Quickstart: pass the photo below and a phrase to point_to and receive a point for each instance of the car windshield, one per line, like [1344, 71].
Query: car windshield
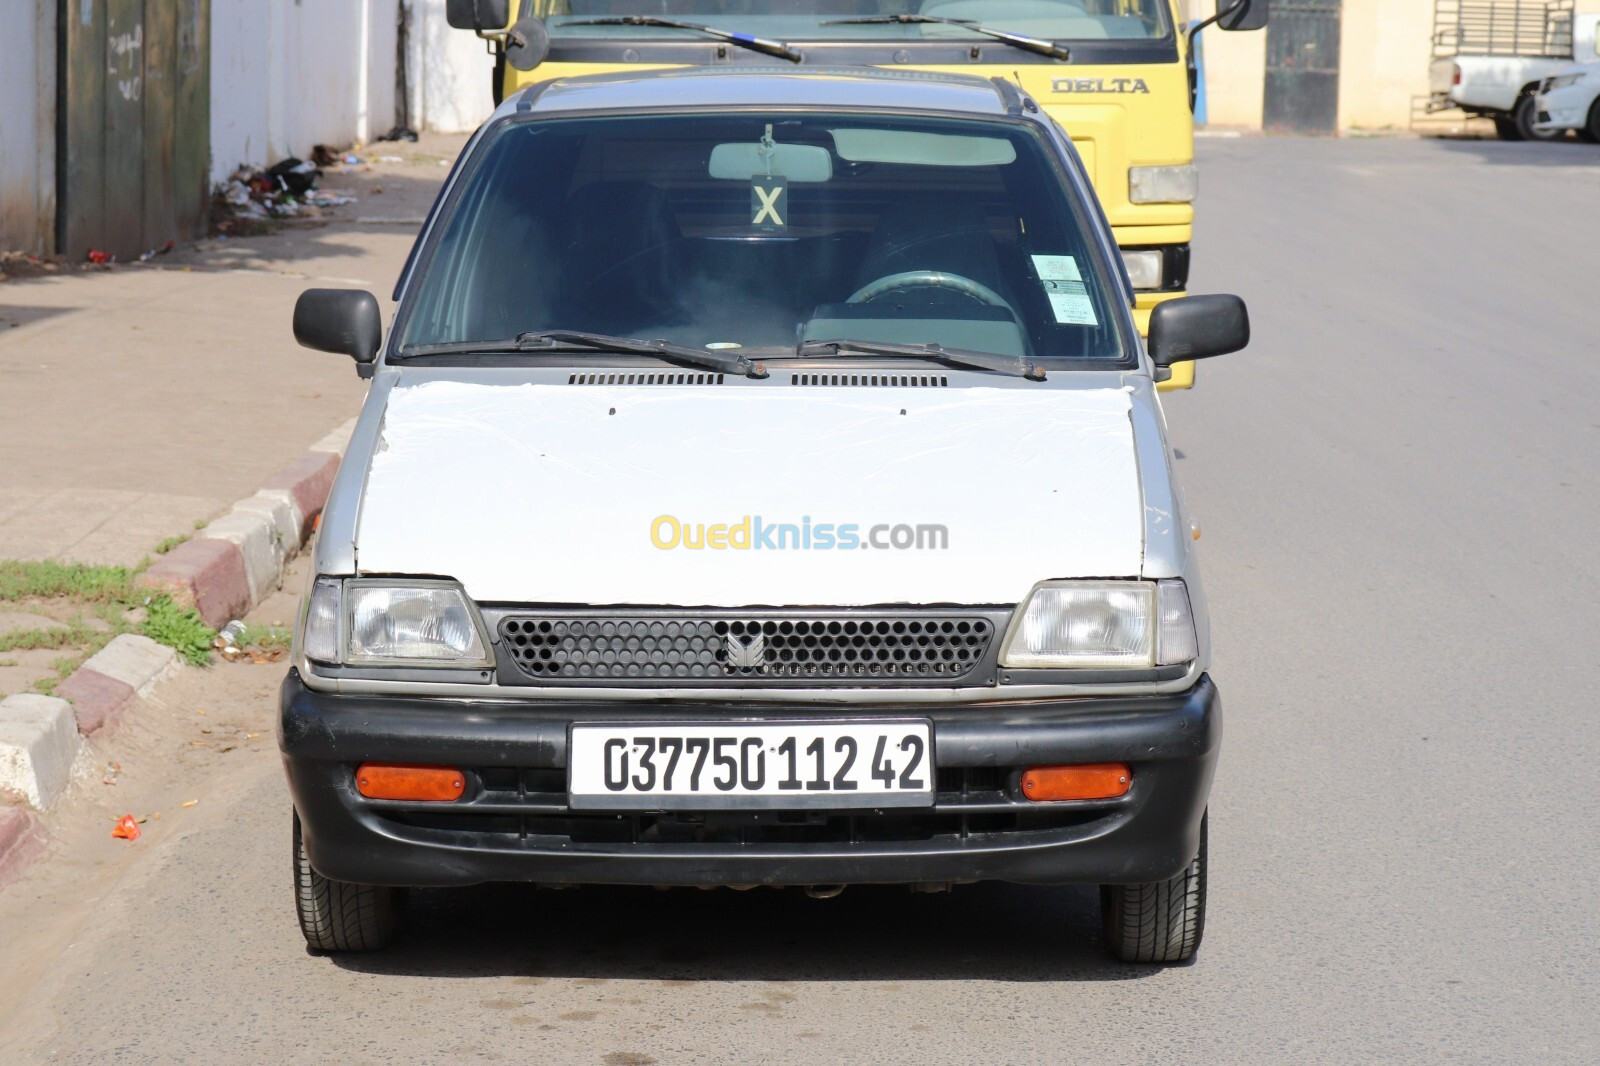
[821, 20]
[755, 233]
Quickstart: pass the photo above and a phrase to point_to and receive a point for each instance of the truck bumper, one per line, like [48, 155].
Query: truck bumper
[513, 823]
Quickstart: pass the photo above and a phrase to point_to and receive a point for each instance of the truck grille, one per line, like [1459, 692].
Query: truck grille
[815, 647]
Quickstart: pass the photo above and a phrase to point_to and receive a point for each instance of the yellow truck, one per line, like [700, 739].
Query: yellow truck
[1118, 75]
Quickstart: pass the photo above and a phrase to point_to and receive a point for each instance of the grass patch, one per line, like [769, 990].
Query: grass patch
[108, 593]
[7, 662]
[70, 635]
[71, 581]
[180, 628]
[171, 542]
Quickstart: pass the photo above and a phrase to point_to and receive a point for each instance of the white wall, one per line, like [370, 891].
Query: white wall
[27, 125]
[451, 72]
[289, 74]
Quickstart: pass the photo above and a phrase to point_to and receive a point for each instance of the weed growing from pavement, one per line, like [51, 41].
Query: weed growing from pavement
[171, 542]
[264, 638]
[180, 628]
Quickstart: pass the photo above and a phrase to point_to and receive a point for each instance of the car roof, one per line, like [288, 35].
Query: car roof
[821, 88]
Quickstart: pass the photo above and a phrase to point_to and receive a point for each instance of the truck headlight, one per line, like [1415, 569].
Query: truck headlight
[1144, 268]
[1085, 624]
[1163, 185]
[367, 622]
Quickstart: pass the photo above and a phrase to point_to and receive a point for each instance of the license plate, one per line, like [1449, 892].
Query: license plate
[741, 766]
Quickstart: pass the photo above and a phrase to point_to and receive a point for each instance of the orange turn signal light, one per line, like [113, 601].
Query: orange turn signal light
[392, 781]
[1094, 781]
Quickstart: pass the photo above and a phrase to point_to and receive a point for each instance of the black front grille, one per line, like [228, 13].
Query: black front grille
[820, 647]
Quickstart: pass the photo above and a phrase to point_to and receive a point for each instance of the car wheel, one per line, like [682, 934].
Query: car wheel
[1161, 921]
[1524, 114]
[337, 916]
[1591, 129]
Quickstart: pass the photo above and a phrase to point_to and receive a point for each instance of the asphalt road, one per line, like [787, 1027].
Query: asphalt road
[1396, 483]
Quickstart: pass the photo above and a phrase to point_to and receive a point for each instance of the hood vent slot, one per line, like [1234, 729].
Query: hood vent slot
[851, 381]
[652, 378]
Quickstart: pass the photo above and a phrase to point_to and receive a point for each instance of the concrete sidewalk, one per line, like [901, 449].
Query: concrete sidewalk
[140, 400]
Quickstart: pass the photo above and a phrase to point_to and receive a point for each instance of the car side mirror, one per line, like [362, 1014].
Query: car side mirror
[346, 321]
[477, 15]
[1248, 15]
[1197, 327]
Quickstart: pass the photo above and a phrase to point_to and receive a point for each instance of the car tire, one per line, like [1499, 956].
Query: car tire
[1160, 922]
[1524, 114]
[1591, 128]
[338, 916]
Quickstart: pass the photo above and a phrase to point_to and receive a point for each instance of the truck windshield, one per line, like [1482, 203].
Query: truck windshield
[831, 20]
[756, 233]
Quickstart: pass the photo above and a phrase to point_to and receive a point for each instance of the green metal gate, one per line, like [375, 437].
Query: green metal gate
[133, 124]
[1302, 89]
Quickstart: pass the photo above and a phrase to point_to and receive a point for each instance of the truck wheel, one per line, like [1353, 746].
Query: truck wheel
[1524, 114]
[1161, 921]
[336, 916]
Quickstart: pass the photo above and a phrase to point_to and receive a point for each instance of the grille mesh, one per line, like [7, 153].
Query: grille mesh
[902, 381]
[846, 647]
[646, 378]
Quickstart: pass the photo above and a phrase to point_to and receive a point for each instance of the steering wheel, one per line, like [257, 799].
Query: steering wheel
[938, 279]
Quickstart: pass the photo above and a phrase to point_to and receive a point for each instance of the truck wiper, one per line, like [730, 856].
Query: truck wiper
[1015, 40]
[567, 340]
[1015, 365]
[743, 40]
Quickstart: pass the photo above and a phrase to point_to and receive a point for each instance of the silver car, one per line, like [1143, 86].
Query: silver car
[762, 482]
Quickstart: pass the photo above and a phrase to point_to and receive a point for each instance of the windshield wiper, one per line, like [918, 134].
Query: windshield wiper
[567, 340]
[743, 40]
[1015, 40]
[1015, 365]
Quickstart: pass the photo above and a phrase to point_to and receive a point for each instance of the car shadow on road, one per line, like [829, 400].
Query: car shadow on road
[987, 932]
[1566, 152]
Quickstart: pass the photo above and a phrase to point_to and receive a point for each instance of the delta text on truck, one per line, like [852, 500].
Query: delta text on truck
[1118, 75]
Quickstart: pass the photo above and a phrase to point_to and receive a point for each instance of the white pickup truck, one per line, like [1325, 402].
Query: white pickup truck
[1490, 58]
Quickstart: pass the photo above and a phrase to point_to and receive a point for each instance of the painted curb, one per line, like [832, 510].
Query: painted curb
[39, 743]
[21, 839]
[128, 667]
[208, 575]
[238, 560]
[234, 564]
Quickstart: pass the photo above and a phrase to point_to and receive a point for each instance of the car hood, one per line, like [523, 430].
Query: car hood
[558, 493]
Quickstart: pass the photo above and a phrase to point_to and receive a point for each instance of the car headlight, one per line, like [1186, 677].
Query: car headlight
[368, 622]
[1560, 81]
[1085, 624]
[1163, 185]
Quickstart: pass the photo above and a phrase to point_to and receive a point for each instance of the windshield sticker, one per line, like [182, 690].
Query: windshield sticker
[1063, 284]
[769, 202]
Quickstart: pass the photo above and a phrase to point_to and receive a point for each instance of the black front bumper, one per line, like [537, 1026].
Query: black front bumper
[512, 823]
